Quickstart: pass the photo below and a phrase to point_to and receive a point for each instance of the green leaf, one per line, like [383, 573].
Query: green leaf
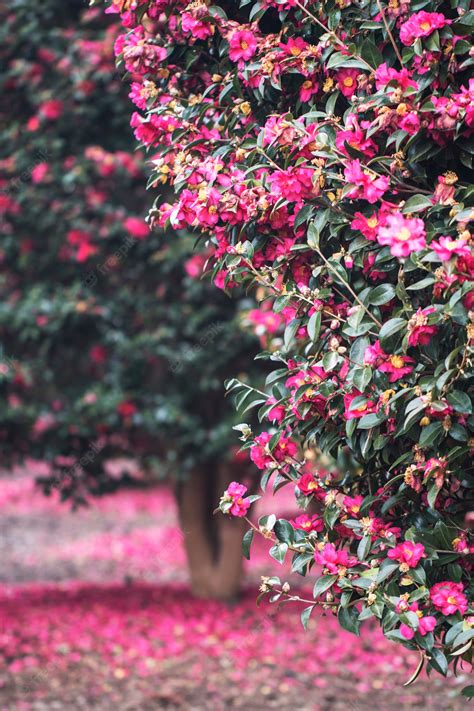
[330, 516]
[390, 328]
[247, 542]
[362, 377]
[433, 492]
[314, 325]
[305, 615]
[278, 552]
[468, 691]
[284, 531]
[386, 569]
[322, 584]
[461, 402]
[290, 333]
[417, 203]
[371, 53]
[422, 284]
[381, 294]
[430, 434]
[438, 661]
[300, 561]
[371, 420]
[363, 547]
[418, 575]
[348, 619]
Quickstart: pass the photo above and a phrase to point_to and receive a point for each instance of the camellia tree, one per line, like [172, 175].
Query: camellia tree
[323, 151]
[112, 347]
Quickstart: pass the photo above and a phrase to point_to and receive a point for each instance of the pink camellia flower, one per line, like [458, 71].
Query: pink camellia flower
[308, 88]
[277, 413]
[410, 123]
[374, 355]
[460, 544]
[419, 332]
[368, 225]
[352, 504]
[365, 408]
[421, 24]
[259, 453]
[425, 625]
[39, 172]
[308, 485]
[449, 598]
[445, 190]
[308, 523]
[446, 248]
[335, 561]
[51, 109]
[408, 554]
[126, 408]
[436, 469]
[367, 185]
[396, 366]
[136, 227]
[347, 81]
[194, 265]
[384, 75]
[242, 45]
[403, 235]
[235, 493]
[196, 27]
[294, 47]
[293, 184]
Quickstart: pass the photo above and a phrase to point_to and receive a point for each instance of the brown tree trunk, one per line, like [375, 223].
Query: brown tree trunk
[213, 542]
[193, 514]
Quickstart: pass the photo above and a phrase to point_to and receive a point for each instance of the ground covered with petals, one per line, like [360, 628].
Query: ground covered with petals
[95, 614]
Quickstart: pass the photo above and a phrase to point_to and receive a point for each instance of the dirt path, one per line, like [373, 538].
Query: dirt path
[95, 614]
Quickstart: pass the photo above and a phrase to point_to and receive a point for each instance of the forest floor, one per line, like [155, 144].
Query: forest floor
[95, 614]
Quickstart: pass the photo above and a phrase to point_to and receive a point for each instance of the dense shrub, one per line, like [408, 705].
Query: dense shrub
[112, 346]
[324, 150]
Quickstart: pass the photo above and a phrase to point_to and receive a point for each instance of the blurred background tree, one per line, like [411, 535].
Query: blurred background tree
[112, 354]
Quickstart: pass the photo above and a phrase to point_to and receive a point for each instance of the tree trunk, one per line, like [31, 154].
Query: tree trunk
[213, 542]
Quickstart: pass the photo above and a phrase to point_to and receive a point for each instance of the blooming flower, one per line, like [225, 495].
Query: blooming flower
[385, 75]
[293, 184]
[403, 235]
[347, 81]
[136, 227]
[242, 45]
[449, 598]
[364, 407]
[277, 413]
[352, 504]
[446, 248]
[421, 24]
[367, 185]
[308, 88]
[235, 493]
[396, 366]
[335, 561]
[407, 553]
[260, 451]
[308, 523]
[419, 332]
[126, 408]
[425, 625]
[308, 485]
